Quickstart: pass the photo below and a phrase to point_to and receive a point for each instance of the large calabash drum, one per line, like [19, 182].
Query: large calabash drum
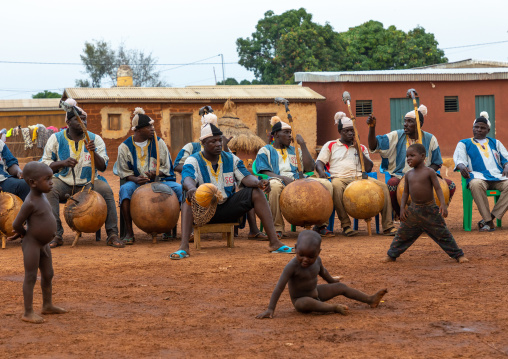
[155, 208]
[306, 202]
[442, 184]
[10, 204]
[86, 211]
[363, 199]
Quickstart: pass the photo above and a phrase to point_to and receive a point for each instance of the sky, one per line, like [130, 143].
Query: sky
[180, 32]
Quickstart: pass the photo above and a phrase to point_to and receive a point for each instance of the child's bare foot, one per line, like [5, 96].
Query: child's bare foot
[342, 309]
[462, 259]
[376, 298]
[53, 310]
[32, 318]
[388, 259]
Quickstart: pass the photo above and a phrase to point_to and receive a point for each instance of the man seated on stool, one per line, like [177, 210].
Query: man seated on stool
[224, 170]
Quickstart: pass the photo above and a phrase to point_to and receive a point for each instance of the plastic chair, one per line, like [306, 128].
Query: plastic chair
[308, 174]
[355, 223]
[467, 205]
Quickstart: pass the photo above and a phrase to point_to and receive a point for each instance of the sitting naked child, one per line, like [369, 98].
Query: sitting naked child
[301, 275]
[422, 215]
[41, 227]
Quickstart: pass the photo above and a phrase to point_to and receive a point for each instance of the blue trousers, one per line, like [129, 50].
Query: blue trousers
[128, 188]
[16, 186]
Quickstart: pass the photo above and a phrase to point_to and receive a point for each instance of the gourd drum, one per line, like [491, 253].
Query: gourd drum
[10, 204]
[442, 184]
[206, 193]
[155, 208]
[306, 202]
[363, 199]
[86, 211]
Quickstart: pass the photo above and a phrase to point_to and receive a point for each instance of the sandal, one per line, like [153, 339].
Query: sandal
[323, 231]
[129, 241]
[484, 227]
[56, 242]
[349, 232]
[390, 231]
[114, 241]
[260, 236]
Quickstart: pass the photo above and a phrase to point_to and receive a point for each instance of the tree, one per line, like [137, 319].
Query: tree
[286, 43]
[229, 81]
[47, 94]
[101, 62]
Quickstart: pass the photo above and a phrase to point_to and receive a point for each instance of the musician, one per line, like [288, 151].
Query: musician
[11, 176]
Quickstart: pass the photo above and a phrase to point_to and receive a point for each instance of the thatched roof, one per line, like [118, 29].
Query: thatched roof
[244, 140]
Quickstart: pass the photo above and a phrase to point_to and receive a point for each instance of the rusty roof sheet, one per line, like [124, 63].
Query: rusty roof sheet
[36, 104]
[411, 75]
[195, 93]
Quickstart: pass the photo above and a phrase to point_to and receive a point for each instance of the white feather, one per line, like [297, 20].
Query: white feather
[274, 120]
[338, 116]
[484, 114]
[209, 118]
[423, 110]
[139, 111]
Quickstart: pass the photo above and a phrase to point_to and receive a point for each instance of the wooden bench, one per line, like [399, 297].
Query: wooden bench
[227, 230]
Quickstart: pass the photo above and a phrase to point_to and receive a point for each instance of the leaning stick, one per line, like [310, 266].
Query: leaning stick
[346, 97]
[280, 100]
[411, 93]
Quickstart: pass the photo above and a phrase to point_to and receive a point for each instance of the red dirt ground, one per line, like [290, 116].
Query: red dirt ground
[135, 302]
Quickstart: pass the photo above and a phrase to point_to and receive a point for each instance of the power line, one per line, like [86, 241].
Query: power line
[485, 43]
[80, 64]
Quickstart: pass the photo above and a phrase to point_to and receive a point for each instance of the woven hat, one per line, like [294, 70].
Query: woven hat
[342, 121]
[484, 118]
[140, 120]
[73, 103]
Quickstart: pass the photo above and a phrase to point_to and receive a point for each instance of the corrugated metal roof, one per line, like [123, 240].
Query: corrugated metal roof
[36, 104]
[195, 93]
[464, 74]
[470, 63]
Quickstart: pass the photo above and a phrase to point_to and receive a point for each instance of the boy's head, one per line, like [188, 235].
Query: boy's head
[415, 154]
[308, 247]
[38, 176]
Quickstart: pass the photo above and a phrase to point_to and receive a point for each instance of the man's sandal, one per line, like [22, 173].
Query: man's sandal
[323, 231]
[129, 241]
[114, 241]
[260, 236]
[349, 232]
[56, 242]
[484, 227]
[390, 232]
[180, 254]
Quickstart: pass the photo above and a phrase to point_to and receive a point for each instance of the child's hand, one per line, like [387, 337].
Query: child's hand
[443, 210]
[337, 278]
[266, 314]
[14, 237]
[403, 215]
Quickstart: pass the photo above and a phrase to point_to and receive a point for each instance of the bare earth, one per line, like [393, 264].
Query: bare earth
[135, 302]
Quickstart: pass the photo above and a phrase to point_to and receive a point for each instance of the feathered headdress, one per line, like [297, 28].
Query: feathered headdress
[140, 120]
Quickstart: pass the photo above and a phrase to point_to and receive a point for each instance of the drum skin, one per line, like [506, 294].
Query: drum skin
[89, 214]
[442, 184]
[363, 199]
[10, 204]
[306, 202]
[154, 212]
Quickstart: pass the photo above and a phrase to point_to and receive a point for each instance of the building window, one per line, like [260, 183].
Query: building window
[264, 128]
[451, 104]
[114, 123]
[363, 107]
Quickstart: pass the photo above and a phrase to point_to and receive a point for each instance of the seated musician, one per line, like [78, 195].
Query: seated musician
[11, 176]
[137, 162]
[278, 160]
[225, 171]
[344, 166]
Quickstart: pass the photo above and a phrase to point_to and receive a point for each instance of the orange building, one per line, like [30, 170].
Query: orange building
[454, 94]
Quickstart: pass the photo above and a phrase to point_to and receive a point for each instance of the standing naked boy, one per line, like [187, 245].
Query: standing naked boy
[41, 228]
[301, 275]
[422, 215]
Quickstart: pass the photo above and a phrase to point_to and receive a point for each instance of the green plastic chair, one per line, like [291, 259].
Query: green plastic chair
[263, 176]
[467, 205]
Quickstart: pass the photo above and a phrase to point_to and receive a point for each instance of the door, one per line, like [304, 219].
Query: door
[487, 103]
[398, 109]
[263, 126]
[181, 132]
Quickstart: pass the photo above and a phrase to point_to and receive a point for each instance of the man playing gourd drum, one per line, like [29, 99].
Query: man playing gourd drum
[225, 171]
[137, 162]
[69, 158]
[392, 148]
[278, 160]
[340, 158]
[11, 176]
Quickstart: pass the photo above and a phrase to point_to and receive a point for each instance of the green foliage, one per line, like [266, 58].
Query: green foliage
[47, 94]
[229, 81]
[102, 62]
[291, 42]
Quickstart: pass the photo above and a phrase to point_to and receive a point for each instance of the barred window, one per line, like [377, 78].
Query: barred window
[114, 123]
[363, 107]
[451, 104]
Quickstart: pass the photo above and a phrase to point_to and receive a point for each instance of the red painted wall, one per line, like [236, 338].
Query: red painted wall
[448, 127]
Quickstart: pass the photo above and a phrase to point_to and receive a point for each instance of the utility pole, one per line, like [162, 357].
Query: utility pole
[223, 76]
[214, 75]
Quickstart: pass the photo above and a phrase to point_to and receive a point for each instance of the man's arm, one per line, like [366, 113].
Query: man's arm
[308, 162]
[460, 158]
[100, 162]
[252, 182]
[320, 169]
[287, 273]
[371, 122]
[15, 171]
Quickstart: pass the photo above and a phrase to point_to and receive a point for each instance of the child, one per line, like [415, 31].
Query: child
[301, 275]
[423, 215]
[41, 228]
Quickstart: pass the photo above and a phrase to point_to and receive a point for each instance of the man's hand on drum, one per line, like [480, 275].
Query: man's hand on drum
[287, 180]
[264, 185]
[141, 180]
[464, 171]
[150, 175]
[190, 194]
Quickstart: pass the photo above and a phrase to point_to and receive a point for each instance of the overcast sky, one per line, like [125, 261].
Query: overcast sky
[179, 32]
